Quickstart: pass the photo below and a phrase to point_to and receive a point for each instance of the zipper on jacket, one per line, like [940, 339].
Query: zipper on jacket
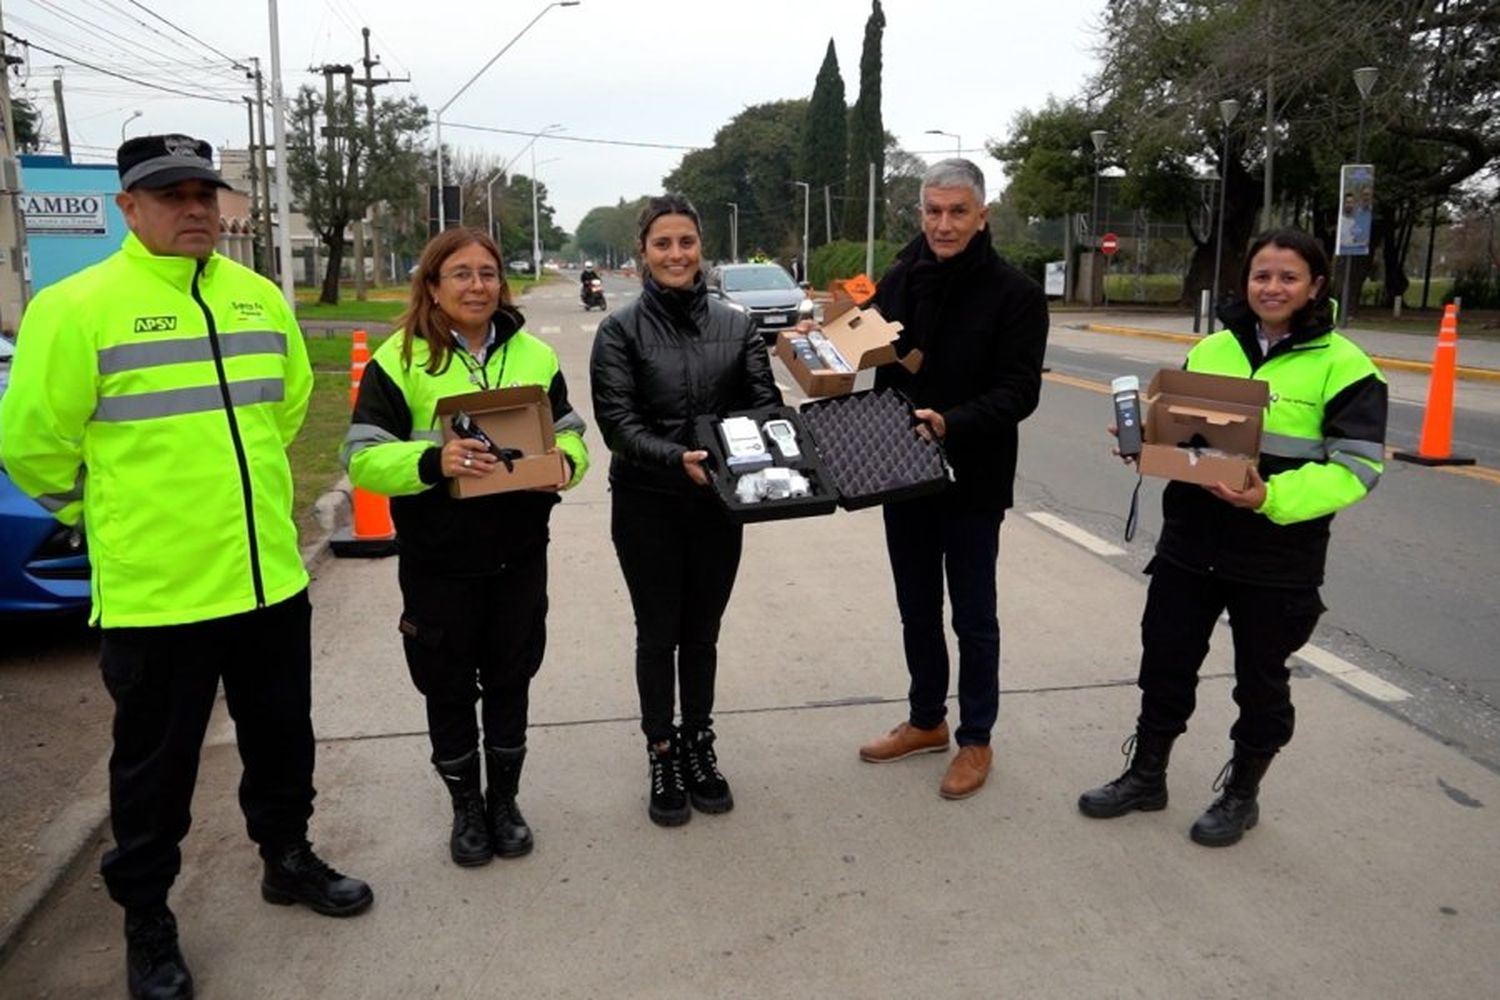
[234, 436]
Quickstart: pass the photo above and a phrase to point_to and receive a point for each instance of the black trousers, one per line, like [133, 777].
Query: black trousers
[927, 539]
[1268, 624]
[475, 639]
[163, 680]
[680, 555]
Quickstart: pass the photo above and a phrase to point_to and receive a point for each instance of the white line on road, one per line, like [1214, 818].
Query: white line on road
[552, 329]
[1356, 677]
[588, 327]
[1075, 534]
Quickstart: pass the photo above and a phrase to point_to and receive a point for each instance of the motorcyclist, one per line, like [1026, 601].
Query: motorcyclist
[591, 287]
[589, 274]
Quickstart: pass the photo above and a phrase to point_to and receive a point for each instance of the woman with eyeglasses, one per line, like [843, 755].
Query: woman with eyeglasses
[672, 355]
[473, 571]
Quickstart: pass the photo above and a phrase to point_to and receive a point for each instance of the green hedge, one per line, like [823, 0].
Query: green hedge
[845, 259]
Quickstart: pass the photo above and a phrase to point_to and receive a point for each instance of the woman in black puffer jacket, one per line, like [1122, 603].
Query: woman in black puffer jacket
[673, 355]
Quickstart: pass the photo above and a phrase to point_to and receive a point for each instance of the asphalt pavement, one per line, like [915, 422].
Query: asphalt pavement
[1371, 874]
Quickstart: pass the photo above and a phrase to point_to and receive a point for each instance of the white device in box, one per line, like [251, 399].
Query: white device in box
[744, 448]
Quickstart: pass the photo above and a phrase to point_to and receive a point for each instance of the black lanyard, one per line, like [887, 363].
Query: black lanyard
[479, 373]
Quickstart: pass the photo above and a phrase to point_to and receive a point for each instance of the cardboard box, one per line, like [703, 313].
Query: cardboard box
[518, 417]
[1223, 412]
[863, 337]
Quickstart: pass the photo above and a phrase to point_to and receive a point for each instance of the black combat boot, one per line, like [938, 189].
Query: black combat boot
[1236, 810]
[294, 874]
[1143, 786]
[669, 802]
[706, 787]
[509, 833]
[469, 845]
[154, 967]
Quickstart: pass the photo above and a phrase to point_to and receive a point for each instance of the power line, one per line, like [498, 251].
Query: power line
[181, 30]
[140, 66]
[560, 137]
[120, 76]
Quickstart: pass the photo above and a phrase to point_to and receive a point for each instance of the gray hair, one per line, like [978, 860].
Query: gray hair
[952, 173]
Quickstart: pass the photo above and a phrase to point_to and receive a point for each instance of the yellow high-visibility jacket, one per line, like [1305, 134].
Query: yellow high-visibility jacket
[153, 399]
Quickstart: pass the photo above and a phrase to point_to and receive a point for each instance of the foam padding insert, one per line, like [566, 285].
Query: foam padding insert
[868, 444]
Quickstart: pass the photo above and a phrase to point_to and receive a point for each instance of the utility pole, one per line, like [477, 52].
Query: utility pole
[351, 132]
[283, 188]
[370, 83]
[62, 116]
[264, 174]
[13, 291]
[257, 207]
[333, 131]
[828, 213]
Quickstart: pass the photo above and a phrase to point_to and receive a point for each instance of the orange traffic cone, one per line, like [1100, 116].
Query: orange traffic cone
[373, 535]
[1436, 445]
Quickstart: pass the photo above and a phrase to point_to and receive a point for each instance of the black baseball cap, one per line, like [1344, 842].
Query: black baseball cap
[158, 161]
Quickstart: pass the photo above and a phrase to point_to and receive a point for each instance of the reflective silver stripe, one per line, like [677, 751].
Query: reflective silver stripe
[54, 502]
[570, 421]
[1363, 472]
[194, 399]
[363, 436]
[183, 350]
[1372, 450]
[1286, 446]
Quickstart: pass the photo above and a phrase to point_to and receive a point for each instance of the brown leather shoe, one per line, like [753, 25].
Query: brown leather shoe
[967, 771]
[903, 741]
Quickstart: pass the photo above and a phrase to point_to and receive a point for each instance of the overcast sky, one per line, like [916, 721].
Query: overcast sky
[668, 72]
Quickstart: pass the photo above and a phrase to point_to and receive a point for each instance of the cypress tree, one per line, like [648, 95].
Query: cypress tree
[866, 135]
[825, 133]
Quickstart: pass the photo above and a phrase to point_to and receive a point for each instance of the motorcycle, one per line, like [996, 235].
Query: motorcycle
[593, 295]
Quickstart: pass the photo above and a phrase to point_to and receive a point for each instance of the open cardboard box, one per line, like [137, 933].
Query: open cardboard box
[863, 337]
[1223, 411]
[517, 417]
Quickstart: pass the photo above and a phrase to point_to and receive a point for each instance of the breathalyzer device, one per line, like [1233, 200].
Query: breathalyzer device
[1127, 394]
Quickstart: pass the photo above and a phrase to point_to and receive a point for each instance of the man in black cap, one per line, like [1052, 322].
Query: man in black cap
[152, 397]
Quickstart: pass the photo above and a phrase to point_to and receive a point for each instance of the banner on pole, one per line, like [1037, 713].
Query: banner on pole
[1356, 206]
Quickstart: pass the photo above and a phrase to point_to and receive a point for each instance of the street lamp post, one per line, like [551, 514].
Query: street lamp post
[734, 231]
[957, 142]
[133, 116]
[1228, 109]
[806, 205]
[438, 118]
[1098, 137]
[489, 192]
[1364, 79]
[536, 232]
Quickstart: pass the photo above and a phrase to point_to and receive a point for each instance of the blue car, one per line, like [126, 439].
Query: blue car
[44, 564]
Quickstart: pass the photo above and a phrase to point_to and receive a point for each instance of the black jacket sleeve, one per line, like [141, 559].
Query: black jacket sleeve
[617, 406]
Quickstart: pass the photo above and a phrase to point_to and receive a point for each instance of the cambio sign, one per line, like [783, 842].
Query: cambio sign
[72, 213]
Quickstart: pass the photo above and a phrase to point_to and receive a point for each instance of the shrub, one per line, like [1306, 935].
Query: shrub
[845, 259]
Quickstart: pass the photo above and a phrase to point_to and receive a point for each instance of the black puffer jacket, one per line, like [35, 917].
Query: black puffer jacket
[660, 363]
[981, 326]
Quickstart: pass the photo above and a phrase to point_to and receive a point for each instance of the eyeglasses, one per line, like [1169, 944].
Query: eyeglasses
[464, 275]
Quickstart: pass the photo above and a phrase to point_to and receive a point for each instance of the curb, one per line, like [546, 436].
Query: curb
[1469, 372]
[81, 822]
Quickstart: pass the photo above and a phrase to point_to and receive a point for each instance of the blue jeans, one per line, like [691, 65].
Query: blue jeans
[927, 539]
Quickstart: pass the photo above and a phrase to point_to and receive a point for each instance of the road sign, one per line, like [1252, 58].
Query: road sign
[1109, 244]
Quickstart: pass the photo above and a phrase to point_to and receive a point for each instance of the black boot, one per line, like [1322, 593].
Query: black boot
[508, 830]
[294, 874]
[469, 844]
[669, 802]
[707, 789]
[154, 967]
[1143, 786]
[1236, 810]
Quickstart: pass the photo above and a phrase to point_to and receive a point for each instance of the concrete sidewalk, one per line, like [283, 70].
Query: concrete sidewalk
[1372, 873]
[1478, 359]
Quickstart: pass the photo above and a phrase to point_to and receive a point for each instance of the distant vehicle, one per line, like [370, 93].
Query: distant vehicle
[520, 266]
[593, 295]
[765, 291]
[44, 564]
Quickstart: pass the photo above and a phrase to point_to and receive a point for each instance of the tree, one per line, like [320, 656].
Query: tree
[324, 165]
[903, 192]
[28, 122]
[751, 163]
[825, 133]
[607, 233]
[866, 134]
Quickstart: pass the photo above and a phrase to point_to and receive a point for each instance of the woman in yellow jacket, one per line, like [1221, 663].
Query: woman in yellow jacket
[473, 572]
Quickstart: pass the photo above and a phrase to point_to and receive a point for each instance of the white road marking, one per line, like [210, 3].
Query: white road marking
[1356, 677]
[1075, 534]
[588, 327]
[552, 329]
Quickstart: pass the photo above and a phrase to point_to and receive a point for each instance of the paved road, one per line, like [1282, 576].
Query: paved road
[1371, 874]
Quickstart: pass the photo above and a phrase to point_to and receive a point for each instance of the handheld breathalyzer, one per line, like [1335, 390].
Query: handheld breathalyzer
[1127, 396]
